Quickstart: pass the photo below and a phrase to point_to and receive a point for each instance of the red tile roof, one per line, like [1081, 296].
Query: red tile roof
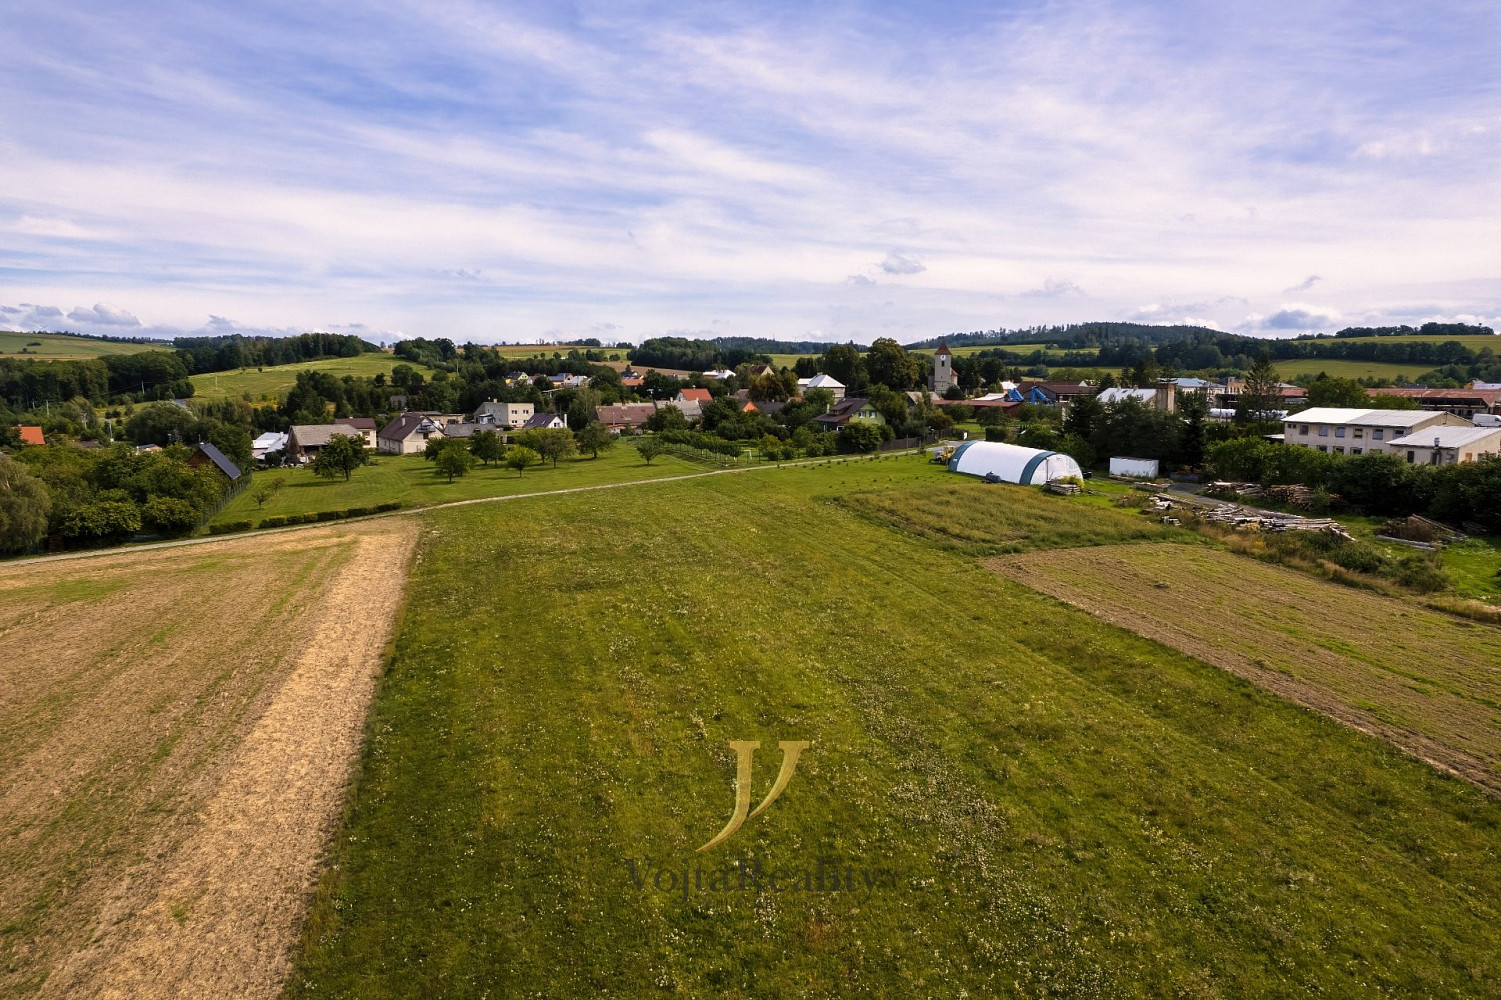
[701, 395]
[32, 435]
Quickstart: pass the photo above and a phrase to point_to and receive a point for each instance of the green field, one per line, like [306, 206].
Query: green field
[59, 348]
[272, 383]
[411, 480]
[1473, 341]
[1026, 800]
[1289, 369]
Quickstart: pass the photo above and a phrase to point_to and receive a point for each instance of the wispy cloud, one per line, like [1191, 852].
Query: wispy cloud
[465, 168]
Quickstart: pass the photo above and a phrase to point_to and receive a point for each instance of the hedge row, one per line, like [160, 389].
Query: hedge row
[322, 515]
[224, 529]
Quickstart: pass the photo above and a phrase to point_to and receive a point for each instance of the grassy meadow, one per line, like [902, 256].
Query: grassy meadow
[414, 482]
[1009, 796]
[272, 383]
[55, 347]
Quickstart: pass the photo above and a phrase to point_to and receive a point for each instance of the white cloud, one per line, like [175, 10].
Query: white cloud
[1053, 288]
[103, 314]
[899, 263]
[1305, 284]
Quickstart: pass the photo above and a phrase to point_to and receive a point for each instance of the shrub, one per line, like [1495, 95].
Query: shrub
[273, 522]
[224, 529]
[327, 515]
[993, 433]
[357, 512]
[1419, 573]
[389, 505]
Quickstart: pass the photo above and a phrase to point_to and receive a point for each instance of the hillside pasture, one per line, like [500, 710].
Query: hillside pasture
[272, 383]
[1019, 798]
[414, 482]
[176, 728]
[56, 347]
[1422, 680]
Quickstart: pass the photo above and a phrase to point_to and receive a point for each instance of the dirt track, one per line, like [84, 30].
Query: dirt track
[176, 730]
[1418, 679]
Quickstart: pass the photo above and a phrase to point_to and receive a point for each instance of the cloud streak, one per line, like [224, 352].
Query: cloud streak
[474, 170]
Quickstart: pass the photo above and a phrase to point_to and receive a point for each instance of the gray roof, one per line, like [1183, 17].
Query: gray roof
[216, 456]
[318, 435]
[539, 421]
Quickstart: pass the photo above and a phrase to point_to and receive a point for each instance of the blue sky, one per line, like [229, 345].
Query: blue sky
[840, 171]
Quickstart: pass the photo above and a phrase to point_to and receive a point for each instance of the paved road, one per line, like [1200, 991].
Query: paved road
[204, 539]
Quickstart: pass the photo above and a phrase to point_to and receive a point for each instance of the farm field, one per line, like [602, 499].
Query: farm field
[414, 482]
[59, 348]
[1473, 341]
[1290, 369]
[1418, 678]
[176, 728]
[274, 382]
[1026, 800]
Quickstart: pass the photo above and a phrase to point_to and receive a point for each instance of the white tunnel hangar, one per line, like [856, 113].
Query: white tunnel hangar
[1013, 463]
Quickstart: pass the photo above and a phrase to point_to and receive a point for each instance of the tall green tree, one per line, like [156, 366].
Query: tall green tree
[487, 447]
[520, 457]
[454, 462]
[889, 364]
[650, 448]
[1262, 393]
[552, 443]
[24, 505]
[844, 363]
[341, 456]
[594, 437]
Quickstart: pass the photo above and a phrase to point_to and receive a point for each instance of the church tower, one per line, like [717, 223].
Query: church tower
[943, 369]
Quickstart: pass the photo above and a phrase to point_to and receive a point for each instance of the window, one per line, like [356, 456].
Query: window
[1323, 447]
[1340, 449]
[1377, 433]
[1356, 451]
[1412, 457]
[1303, 430]
[1359, 432]
[1323, 432]
[1469, 456]
[1339, 432]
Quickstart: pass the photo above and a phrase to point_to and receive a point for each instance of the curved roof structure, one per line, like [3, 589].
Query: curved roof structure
[1012, 463]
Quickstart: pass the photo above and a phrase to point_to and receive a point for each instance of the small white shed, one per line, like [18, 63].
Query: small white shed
[1012, 463]
[1136, 468]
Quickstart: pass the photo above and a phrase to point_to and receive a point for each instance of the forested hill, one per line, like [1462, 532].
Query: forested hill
[1073, 335]
[721, 352]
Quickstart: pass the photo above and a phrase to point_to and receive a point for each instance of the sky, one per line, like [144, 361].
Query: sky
[832, 171]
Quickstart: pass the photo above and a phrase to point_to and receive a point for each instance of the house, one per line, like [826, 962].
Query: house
[306, 440]
[543, 422]
[1347, 431]
[576, 382]
[366, 426]
[719, 373]
[268, 443]
[943, 369]
[768, 407]
[507, 415]
[757, 371]
[624, 416]
[842, 412]
[699, 396]
[1163, 397]
[148, 449]
[1445, 445]
[408, 434]
[1050, 393]
[691, 409]
[31, 434]
[465, 429]
[1460, 402]
[207, 454]
[1229, 388]
[828, 382]
[632, 381]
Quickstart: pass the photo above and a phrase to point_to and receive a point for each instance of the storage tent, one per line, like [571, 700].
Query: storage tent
[1012, 463]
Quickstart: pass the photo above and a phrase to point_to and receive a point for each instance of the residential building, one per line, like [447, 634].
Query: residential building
[506, 415]
[1445, 445]
[828, 382]
[408, 434]
[719, 373]
[306, 440]
[699, 396]
[1348, 431]
[207, 454]
[266, 444]
[624, 416]
[1229, 388]
[31, 435]
[943, 369]
[1460, 402]
[842, 412]
[544, 422]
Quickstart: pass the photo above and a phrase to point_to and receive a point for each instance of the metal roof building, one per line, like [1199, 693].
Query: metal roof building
[1012, 463]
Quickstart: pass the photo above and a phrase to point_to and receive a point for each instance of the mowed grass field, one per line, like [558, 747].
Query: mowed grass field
[1026, 800]
[414, 482]
[274, 382]
[176, 726]
[1420, 678]
[59, 348]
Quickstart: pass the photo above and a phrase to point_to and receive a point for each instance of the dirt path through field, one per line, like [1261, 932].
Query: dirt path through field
[218, 916]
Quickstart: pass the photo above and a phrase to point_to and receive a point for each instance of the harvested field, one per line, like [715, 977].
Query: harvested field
[1426, 682]
[176, 731]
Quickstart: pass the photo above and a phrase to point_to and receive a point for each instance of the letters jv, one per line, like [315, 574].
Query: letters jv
[791, 750]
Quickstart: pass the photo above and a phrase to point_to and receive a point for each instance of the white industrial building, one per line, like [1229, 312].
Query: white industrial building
[1012, 463]
[1349, 431]
[1448, 445]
